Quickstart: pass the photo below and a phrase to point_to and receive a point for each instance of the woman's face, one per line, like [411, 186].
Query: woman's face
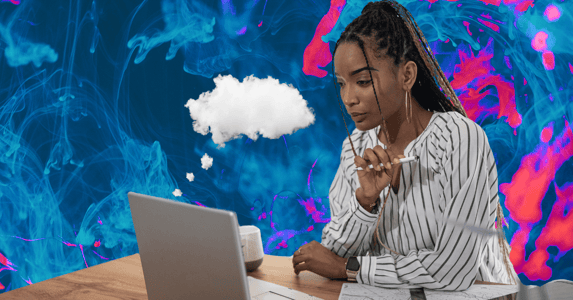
[352, 75]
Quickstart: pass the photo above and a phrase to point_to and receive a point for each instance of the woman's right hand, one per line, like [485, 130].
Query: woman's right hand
[373, 181]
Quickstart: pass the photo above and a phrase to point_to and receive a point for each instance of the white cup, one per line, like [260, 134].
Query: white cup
[252, 247]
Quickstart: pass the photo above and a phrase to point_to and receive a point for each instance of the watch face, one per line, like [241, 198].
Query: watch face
[353, 264]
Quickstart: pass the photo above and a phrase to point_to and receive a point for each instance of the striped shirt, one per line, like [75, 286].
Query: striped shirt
[445, 202]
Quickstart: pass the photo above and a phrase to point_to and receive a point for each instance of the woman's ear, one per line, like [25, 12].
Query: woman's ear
[410, 74]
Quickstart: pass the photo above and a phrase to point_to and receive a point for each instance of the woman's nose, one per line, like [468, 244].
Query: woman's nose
[349, 98]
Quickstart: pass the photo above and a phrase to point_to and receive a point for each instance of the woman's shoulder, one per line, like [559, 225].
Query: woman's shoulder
[454, 127]
[453, 132]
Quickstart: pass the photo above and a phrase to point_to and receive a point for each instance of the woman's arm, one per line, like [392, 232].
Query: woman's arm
[467, 202]
[351, 226]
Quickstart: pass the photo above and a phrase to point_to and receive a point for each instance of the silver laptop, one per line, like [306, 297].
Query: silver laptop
[194, 252]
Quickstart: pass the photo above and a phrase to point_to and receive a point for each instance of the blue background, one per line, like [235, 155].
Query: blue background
[92, 98]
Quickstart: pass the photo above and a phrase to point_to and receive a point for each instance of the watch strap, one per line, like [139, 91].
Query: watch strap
[352, 274]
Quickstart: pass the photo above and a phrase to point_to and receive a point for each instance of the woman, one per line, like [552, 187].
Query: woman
[438, 211]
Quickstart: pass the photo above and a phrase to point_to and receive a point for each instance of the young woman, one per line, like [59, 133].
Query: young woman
[435, 227]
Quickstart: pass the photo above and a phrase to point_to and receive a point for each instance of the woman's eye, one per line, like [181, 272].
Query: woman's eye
[364, 82]
[340, 83]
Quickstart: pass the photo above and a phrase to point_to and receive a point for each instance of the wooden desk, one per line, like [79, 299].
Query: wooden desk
[123, 279]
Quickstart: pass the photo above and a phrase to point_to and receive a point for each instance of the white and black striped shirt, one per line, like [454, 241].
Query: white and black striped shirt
[445, 200]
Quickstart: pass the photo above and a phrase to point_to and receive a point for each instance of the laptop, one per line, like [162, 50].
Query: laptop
[193, 252]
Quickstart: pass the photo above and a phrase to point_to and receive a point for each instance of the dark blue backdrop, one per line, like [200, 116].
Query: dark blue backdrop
[92, 106]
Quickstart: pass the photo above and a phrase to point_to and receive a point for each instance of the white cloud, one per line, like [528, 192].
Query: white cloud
[177, 193]
[206, 162]
[190, 177]
[252, 107]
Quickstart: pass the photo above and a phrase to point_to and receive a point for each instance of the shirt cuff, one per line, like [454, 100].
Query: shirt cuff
[385, 266]
[366, 265]
[363, 214]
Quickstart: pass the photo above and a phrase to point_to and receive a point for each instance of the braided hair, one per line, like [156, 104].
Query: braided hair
[393, 29]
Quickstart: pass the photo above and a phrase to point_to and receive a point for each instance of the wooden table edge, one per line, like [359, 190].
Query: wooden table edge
[273, 269]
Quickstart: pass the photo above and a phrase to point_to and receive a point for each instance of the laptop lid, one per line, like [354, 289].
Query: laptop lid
[188, 251]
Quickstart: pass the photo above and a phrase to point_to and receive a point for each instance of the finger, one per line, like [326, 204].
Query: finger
[301, 267]
[297, 260]
[383, 156]
[300, 250]
[393, 157]
[372, 158]
[396, 159]
[361, 163]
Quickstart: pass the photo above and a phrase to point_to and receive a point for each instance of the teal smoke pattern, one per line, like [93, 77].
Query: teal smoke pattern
[92, 106]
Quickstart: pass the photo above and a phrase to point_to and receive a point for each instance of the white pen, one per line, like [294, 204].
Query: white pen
[402, 160]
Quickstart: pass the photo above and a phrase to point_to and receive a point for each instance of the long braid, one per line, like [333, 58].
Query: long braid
[428, 57]
[432, 90]
[342, 112]
[376, 233]
[357, 39]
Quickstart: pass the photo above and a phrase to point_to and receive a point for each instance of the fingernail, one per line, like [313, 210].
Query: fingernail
[389, 166]
[378, 168]
[396, 161]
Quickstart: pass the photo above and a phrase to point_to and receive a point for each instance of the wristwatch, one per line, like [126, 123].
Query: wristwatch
[352, 268]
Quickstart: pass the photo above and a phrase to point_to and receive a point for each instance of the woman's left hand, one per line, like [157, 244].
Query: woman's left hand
[316, 258]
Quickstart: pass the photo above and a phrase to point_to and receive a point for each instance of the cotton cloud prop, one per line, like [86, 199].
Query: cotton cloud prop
[252, 107]
[206, 161]
[177, 193]
[190, 177]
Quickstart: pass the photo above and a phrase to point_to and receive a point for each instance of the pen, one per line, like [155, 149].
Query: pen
[402, 160]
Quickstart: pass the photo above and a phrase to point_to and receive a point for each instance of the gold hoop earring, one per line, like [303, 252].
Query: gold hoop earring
[408, 109]
[410, 104]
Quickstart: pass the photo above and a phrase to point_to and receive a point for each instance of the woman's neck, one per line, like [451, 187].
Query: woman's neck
[400, 132]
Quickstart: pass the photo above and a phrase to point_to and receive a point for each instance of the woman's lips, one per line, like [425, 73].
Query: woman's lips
[359, 118]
